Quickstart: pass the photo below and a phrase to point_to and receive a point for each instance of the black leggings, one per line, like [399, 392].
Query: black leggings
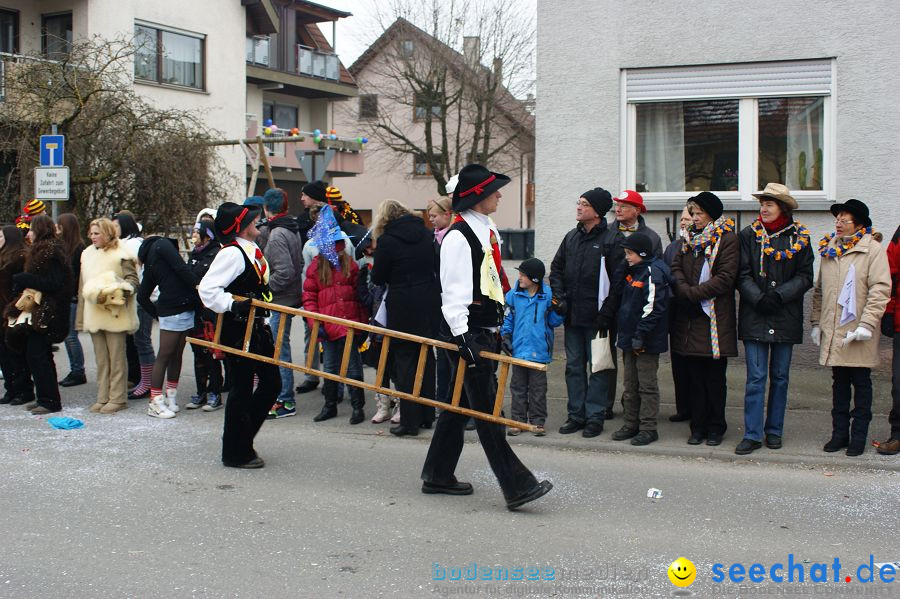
[207, 371]
[168, 359]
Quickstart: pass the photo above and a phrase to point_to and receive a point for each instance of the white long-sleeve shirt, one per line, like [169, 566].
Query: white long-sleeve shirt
[456, 269]
[225, 268]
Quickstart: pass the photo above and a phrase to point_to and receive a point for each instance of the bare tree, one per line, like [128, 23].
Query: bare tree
[122, 152]
[447, 73]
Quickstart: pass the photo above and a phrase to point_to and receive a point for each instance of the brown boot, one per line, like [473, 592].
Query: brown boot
[112, 408]
[889, 447]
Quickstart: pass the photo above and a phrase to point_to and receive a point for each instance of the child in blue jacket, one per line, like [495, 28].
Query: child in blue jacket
[640, 308]
[528, 334]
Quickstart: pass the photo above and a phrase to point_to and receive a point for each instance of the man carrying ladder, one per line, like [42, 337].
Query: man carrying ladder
[472, 305]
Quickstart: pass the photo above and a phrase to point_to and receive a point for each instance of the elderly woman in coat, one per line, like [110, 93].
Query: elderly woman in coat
[776, 272]
[703, 329]
[850, 296]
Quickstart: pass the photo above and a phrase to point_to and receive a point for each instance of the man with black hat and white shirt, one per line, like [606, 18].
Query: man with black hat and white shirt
[241, 269]
[472, 305]
[576, 283]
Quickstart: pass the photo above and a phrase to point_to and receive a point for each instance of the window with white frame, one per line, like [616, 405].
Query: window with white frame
[168, 56]
[730, 129]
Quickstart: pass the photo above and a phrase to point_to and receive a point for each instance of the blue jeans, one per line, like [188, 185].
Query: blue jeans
[307, 333]
[774, 360]
[287, 374]
[73, 345]
[587, 394]
[334, 351]
[142, 341]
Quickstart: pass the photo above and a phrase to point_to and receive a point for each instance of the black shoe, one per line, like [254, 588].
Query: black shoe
[856, 448]
[696, 438]
[256, 462]
[773, 441]
[570, 426]
[307, 386]
[624, 433]
[679, 417]
[20, 400]
[357, 416]
[539, 490]
[592, 429]
[72, 379]
[645, 438]
[747, 446]
[132, 395]
[835, 444]
[714, 439]
[452, 488]
[6, 399]
[328, 411]
[470, 424]
[425, 425]
[608, 414]
[403, 431]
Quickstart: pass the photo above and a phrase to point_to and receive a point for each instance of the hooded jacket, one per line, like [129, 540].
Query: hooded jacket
[337, 299]
[575, 272]
[163, 267]
[530, 321]
[284, 253]
[404, 261]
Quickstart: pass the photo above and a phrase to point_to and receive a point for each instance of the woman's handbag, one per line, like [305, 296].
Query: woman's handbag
[601, 353]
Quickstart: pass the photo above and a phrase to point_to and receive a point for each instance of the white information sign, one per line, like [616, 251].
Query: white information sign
[51, 183]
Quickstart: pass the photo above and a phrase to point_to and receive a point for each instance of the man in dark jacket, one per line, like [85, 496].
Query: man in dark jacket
[575, 281]
[283, 252]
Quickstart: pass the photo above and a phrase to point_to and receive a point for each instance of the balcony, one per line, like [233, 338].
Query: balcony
[308, 72]
[317, 64]
[347, 159]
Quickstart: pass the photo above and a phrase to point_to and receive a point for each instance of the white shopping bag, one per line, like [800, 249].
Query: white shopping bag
[601, 354]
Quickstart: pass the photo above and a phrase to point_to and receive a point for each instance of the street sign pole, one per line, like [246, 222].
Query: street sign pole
[54, 206]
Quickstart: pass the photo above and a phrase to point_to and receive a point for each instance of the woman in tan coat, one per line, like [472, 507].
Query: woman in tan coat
[107, 310]
[850, 295]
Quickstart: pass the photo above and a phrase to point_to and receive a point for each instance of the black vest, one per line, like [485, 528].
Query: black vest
[247, 284]
[483, 311]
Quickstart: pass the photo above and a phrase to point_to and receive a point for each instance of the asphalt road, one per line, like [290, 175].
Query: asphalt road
[130, 506]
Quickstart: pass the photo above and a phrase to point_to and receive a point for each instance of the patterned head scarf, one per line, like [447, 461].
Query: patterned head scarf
[325, 233]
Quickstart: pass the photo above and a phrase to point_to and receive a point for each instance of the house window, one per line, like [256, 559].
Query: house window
[168, 57]
[56, 34]
[282, 115]
[422, 105]
[420, 165]
[730, 129]
[407, 47]
[368, 106]
[9, 31]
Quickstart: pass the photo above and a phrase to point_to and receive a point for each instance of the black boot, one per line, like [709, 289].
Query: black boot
[329, 410]
[357, 401]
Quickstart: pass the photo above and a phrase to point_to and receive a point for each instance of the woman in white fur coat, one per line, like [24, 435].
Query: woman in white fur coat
[108, 311]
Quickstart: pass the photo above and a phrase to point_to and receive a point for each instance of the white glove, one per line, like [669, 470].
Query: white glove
[816, 335]
[858, 334]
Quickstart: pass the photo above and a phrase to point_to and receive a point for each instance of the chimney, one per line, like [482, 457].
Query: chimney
[472, 49]
[498, 70]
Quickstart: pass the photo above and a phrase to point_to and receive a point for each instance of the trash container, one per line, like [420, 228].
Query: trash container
[518, 244]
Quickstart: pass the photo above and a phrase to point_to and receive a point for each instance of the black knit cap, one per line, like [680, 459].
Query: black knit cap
[709, 203]
[639, 243]
[533, 269]
[316, 190]
[599, 199]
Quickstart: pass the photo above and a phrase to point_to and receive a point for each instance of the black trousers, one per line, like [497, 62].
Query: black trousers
[404, 359]
[16, 377]
[708, 394]
[843, 377]
[894, 417]
[39, 356]
[447, 442]
[246, 409]
[681, 377]
[207, 371]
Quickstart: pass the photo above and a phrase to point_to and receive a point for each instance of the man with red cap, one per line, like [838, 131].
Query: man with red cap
[472, 304]
[241, 269]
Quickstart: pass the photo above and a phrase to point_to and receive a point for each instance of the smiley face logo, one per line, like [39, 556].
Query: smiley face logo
[682, 572]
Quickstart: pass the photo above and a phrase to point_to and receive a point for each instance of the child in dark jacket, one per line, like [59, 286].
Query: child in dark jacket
[641, 310]
[528, 334]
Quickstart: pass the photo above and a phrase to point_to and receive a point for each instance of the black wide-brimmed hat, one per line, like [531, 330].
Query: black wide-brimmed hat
[859, 211]
[231, 219]
[475, 184]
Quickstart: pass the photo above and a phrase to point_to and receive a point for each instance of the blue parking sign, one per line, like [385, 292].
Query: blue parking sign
[53, 149]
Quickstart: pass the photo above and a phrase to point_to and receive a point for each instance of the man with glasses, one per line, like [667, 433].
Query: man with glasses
[575, 281]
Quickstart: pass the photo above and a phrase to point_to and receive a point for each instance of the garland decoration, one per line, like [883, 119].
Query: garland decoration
[764, 239]
[842, 248]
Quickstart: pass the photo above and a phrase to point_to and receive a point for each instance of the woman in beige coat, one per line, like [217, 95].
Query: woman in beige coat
[107, 310]
[850, 295]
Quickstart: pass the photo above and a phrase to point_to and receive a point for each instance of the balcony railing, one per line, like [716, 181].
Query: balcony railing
[317, 64]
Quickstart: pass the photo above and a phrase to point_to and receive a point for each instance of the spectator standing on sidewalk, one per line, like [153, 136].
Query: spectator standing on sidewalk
[705, 327]
[890, 326]
[851, 293]
[776, 272]
[16, 380]
[69, 231]
[283, 251]
[575, 281]
[527, 334]
[681, 375]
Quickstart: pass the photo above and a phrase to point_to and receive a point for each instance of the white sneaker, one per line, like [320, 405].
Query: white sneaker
[395, 419]
[384, 409]
[157, 408]
[171, 401]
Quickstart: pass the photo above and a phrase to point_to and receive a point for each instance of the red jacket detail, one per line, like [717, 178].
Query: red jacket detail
[338, 299]
[893, 256]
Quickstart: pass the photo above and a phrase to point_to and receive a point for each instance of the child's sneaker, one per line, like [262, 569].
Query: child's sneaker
[512, 431]
[282, 410]
[172, 401]
[539, 431]
[213, 402]
[158, 409]
[196, 402]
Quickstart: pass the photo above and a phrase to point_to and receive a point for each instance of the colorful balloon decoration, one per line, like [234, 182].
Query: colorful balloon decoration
[267, 122]
[267, 131]
[295, 131]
